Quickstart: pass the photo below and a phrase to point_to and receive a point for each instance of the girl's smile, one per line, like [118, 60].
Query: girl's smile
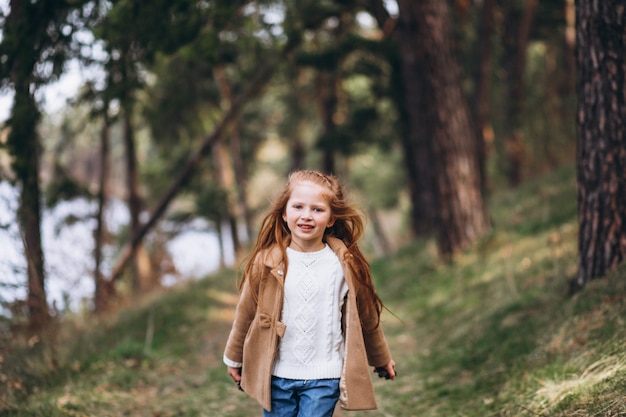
[307, 215]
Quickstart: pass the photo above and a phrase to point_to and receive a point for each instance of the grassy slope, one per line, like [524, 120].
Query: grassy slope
[495, 334]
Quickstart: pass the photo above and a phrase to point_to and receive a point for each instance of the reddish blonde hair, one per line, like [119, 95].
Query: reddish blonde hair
[348, 226]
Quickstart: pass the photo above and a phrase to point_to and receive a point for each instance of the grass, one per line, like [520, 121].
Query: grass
[493, 334]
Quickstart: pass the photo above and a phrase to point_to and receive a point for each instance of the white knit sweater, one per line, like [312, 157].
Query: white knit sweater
[313, 344]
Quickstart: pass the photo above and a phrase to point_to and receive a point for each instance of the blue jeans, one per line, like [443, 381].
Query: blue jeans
[303, 398]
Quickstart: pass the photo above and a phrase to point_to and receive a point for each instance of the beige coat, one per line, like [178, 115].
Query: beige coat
[257, 330]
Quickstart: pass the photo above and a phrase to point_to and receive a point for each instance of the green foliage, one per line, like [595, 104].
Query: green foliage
[212, 202]
[64, 188]
[376, 175]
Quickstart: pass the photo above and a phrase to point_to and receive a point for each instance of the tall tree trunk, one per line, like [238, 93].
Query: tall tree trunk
[326, 87]
[517, 27]
[601, 154]
[482, 81]
[570, 48]
[225, 178]
[553, 109]
[233, 175]
[297, 150]
[23, 145]
[241, 178]
[104, 289]
[415, 141]
[443, 122]
[132, 188]
[403, 61]
[381, 242]
[25, 149]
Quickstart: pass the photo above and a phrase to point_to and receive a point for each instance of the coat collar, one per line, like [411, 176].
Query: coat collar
[273, 257]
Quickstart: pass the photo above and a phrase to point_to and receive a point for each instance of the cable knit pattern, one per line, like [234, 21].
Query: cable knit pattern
[312, 347]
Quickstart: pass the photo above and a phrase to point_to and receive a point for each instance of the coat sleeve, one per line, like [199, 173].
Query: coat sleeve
[378, 353]
[376, 347]
[244, 315]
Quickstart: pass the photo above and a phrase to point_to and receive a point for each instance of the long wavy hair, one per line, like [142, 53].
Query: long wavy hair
[348, 226]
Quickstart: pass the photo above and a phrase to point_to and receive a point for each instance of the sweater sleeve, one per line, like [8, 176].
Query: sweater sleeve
[232, 364]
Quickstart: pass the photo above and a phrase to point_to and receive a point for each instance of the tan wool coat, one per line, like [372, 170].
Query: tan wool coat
[257, 330]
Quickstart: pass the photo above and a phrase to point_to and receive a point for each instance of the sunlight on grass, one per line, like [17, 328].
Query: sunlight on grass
[222, 306]
[553, 391]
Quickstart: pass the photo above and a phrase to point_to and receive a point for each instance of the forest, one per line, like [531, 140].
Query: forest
[191, 114]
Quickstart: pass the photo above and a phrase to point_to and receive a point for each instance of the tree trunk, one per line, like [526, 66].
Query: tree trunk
[517, 28]
[415, 141]
[297, 149]
[225, 178]
[104, 289]
[482, 81]
[297, 153]
[382, 246]
[25, 148]
[545, 153]
[224, 164]
[219, 228]
[601, 154]
[23, 145]
[326, 88]
[238, 167]
[132, 188]
[443, 123]
[403, 61]
[242, 182]
[570, 48]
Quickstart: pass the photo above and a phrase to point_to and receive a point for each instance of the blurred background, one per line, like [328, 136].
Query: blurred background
[142, 140]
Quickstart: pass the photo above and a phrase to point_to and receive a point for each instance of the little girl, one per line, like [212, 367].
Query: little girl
[307, 321]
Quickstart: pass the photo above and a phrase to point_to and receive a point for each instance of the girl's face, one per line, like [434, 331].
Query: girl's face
[307, 215]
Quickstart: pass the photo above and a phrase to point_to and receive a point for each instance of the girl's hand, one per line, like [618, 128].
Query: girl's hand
[235, 373]
[388, 371]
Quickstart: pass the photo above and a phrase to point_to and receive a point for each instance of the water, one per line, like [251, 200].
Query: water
[68, 243]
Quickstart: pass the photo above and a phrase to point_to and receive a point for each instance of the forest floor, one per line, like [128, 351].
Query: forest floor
[493, 334]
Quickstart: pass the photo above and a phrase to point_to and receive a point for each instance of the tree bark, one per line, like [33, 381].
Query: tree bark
[570, 47]
[415, 141]
[517, 34]
[441, 131]
[401, 55]
[132, 188]
[231, 170]
[26, 151]
[326, 88]
[23, 145]
[601, 123]
[297, 149]
[104, 289]
[482, 79]
[225, 178]
[381, 242]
